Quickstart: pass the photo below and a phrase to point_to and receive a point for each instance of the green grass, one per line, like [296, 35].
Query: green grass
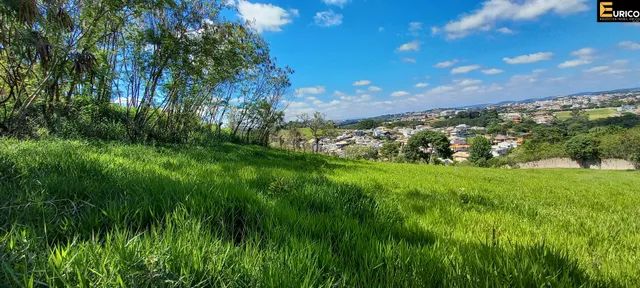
[593, 114]
[111, 215]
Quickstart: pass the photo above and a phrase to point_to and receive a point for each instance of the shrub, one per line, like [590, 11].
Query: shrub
[358, 152]
[390, 150]
[583, 147]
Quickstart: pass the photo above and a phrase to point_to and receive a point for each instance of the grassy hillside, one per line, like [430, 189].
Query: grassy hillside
[111, 215]
[593, 114]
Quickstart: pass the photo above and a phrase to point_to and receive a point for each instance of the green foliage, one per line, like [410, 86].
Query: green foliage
[548, 134]
[427, 146]
[319, 126]
[173, 66]
[480, 151]
[112, 215]
[482, 118]
[366, 124]
[410, 123]
[359, 152]
[583, 148]
[390, 150]
[626, 121]
[532, 151]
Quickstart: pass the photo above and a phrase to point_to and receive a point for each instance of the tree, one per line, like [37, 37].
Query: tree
[480, 151]
[390, 150]
[583, 147]
[367, 124]
[359, 152]
[159, 70]
[294, 137]
[496, 128]
[319, 126]
[427, 146]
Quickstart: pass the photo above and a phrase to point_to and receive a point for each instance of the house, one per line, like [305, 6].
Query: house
[500, 138]
[461, 131]
[626, 109]
[459, 144]
[381, 132]
[503, 148]
[543, 119]
[513, 117]
[461, 156]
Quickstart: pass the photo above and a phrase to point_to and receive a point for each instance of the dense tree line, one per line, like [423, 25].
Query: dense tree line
[582, 139]
[481, 118]
[137, 70]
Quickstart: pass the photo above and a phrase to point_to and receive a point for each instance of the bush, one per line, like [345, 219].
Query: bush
[358, 152]
[583, 147]
[390, 150]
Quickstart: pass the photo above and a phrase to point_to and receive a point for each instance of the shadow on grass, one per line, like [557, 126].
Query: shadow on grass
[421, 202]
[71, 195]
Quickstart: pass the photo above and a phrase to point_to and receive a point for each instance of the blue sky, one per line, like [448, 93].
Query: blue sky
[359, 58]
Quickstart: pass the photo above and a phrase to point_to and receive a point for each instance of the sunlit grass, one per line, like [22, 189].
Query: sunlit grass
[593, 114]
[111, 215]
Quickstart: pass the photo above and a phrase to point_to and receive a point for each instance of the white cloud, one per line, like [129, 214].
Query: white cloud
[471, 89]
[339, 3]
[597, 69]
[505, 30]
[467, 82]
[400, 94]
[584, 57]
[530, 58]
[374, 89]
[422, 85]
[464, 69]
[435, 30]
[415, 28]
[264, 17]
[519, 79]
[441, 89]
[617, 67]
[629, 45]
[557, 79]
[574, 63]
[446, 64]
[362, 83]
[411, 46]
[492, 71]
[494, 11]
[328, 19]
[409, 60]
[317, 90]
[584, 52]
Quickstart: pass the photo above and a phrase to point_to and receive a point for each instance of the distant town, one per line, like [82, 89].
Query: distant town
[399, 128]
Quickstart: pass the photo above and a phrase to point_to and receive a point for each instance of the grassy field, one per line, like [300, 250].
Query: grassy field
[593, 114]
[110, 215]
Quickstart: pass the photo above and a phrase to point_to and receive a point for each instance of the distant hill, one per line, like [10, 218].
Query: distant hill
[482, 106]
